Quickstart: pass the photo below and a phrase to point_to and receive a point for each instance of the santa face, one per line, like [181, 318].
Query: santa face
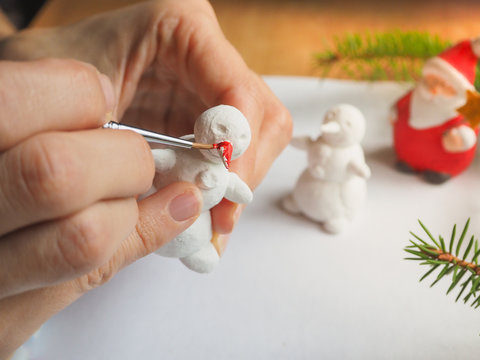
[436, 85]
[437, 96]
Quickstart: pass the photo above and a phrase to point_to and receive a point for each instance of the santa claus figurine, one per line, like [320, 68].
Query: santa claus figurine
[430, 135]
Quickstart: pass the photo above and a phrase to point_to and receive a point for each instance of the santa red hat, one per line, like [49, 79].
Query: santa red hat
[457, 64]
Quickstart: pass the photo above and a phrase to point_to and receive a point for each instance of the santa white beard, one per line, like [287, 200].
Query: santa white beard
[429, 110]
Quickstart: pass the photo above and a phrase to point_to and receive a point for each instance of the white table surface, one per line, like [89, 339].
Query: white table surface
[284, 289]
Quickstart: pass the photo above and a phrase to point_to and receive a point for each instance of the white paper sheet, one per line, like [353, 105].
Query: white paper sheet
[284, 289]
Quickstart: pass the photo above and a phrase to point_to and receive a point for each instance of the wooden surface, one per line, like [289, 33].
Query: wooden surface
[281, 36]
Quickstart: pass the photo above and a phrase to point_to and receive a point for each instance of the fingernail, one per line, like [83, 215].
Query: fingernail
[237, 213]
[219, 242]
[108, 91]
[184, 206]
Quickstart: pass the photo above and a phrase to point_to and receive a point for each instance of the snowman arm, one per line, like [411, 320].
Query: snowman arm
[301, 142]
[237, 190]
[459, 139]
[165, 159]
[359, 168]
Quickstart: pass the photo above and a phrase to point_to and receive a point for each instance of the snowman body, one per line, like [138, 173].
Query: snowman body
[333, 186]
[336, 196]
[205, 169]
[193, 246]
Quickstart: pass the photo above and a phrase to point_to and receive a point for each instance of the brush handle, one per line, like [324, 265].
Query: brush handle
[151, 136]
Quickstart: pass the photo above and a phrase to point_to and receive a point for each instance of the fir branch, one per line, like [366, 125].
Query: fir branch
[394, 55]
[434, 254]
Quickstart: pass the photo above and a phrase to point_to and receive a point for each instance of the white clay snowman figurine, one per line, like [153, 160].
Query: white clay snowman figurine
[333, 186]
[206, 169]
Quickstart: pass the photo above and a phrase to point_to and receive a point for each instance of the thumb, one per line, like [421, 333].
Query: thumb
[162, 216]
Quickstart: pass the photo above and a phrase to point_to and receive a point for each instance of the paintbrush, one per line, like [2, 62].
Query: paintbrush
[224, 147]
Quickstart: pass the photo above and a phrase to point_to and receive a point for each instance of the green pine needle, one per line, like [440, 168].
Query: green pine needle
[463, 287]
[442, 244]
[455, 272]
[437, 262]
[427, 251]
[434, 267]
[441, 274]
[465, 228]
[475, 257]
[428, 233]
[475, 284]
[435, 254]
[452, 239]
[418, 238]
[417, 253]
[469, 247]
[456, 280]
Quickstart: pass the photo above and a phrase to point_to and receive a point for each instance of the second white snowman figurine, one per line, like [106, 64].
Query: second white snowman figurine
[206, 169]
[333, 187]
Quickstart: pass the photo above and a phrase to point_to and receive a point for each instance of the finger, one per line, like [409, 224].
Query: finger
[271, 134]
[225, 215]
[50, 94]
[56, 174]
[220, 242]
[23, 314]
[49, 253]
[191, 43]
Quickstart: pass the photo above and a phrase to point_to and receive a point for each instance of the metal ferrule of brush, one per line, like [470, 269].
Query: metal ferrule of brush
[151, 136]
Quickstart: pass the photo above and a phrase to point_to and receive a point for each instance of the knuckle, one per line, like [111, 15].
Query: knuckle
[147, 236]
[85, 76]
[284, 122]
[7, 98]
[95, 278]
[61, 65]
[139, 154]
[50, 173]
[15, 47]
[82, 244]
[145, 159]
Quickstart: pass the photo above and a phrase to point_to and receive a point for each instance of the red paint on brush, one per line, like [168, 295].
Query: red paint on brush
[226, 148]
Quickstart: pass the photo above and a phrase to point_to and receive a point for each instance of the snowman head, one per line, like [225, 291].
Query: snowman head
[222, 123]
[343, 125]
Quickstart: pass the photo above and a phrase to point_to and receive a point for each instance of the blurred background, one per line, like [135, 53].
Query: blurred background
[281, 37]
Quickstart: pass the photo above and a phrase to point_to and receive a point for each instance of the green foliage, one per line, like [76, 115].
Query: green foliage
[435, 255]
[393, 55]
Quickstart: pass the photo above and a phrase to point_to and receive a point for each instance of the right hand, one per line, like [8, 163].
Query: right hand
[69, 218]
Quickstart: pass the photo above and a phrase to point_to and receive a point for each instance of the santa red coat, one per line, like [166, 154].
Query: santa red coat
[422, 149]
